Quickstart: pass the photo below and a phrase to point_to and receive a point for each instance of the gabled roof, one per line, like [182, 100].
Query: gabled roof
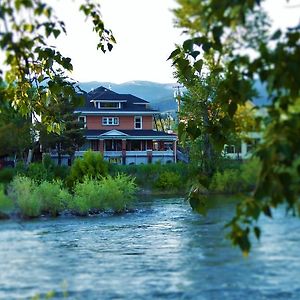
[131, 102]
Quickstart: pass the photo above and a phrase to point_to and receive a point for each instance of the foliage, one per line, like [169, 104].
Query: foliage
[35, 72]
[118, 192]
[6, 175]
[227, 33]
[52, 196]
[21, 191]
[87, 196]
[168, 181]
[115, 194]
[147, 175]
[236, 180]
[37, 172]
[6, 204]
[91, 165]
[70, 138]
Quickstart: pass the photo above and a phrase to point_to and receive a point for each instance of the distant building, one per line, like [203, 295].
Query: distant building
[121, 127]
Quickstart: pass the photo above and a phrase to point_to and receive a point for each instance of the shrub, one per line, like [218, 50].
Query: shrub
[48, 162]
[38, 172]
[7, 175]
[52, 197]
[92, 165]
[249, 172]
[118, 192]
[6, 204]
[21, 191]
[87, 196]
[168, 180]
[147, 175]
[110, 193]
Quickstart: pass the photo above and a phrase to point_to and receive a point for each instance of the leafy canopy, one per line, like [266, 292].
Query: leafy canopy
[237, 36]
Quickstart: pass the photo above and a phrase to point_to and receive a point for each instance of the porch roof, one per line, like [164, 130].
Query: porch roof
[129, 134]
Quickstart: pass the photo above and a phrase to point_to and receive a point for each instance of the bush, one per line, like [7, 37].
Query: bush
[92, 165]
[21, 191]
[6, 204]
[52, 196]
[7, 175]
[110, 193]
[168, 180]
[87, 196]
[118, 192]
[38, 172]
[147, 175]
[236, 180]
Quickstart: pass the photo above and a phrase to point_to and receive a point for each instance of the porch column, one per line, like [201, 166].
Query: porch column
[175, 151]
[101, 146]
[123, 152]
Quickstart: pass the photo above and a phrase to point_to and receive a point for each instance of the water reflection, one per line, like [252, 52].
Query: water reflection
[161, 251]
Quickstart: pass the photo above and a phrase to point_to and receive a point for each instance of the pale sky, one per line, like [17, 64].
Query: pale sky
[145, 37]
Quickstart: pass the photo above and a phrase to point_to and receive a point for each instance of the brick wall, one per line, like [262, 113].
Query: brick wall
[125, 122]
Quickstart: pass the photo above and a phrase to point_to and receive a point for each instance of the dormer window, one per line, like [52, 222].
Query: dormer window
[109, 105]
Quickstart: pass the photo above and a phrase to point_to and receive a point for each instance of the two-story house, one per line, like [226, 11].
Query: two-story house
[121, 127]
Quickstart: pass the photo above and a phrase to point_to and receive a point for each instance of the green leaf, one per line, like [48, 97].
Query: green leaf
[174, 53]
[188, 45]
[276, 35]
[198, 65]
[257, 232]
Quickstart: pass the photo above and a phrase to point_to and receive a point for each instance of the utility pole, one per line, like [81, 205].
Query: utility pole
[177, 96]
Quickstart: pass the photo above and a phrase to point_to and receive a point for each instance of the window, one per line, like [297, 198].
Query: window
[109, 105]
[82, 121]
[138, 123]
[110, 121]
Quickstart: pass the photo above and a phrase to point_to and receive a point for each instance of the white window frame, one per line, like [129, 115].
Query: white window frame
[141, 121]
[84, 121]
[110, 121]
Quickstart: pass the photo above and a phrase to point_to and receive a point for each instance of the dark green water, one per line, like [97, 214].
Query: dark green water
[161, 251]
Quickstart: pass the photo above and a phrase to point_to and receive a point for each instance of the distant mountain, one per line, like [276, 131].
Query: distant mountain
[160, 95]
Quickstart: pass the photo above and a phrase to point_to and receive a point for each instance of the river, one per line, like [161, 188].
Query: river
[162, 250]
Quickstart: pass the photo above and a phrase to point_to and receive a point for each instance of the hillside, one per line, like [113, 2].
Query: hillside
[160, 95]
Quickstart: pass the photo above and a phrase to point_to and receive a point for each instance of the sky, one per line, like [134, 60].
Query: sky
[145, 37]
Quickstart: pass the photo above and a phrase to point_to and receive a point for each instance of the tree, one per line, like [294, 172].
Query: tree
[71, 136]
[16, 133]
[237, 36]
[35, 73]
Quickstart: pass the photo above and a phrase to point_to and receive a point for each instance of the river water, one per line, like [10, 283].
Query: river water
[163, 250]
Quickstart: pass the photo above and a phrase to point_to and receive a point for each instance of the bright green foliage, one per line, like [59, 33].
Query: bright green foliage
[21, 191]
[35, 72]
[228, 31]
[108, 194]
[147, 175]
[87, 196]
[92, 165]
[52, 196]
[168, 181]
[118, 192]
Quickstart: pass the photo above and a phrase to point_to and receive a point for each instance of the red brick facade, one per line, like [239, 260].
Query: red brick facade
[125, 123]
